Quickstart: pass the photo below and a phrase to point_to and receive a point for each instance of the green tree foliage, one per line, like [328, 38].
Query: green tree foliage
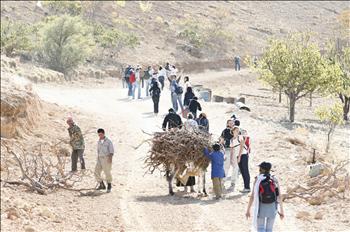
[332, 117]
[73, 8]
[113, 39]
[338, 52]
[15, 37]
[145, 6]
[66, 43]
[205, 36]
[120, 3]
[295, 66]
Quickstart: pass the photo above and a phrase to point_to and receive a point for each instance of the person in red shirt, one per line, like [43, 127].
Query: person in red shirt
[132, 80]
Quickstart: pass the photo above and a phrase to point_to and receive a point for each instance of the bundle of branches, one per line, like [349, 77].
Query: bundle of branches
[177, 149]
[333, 182]
[38, 172]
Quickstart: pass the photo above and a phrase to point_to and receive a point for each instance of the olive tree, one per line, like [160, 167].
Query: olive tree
[332, 117]
[338, 52]
[66, 43]
[295, 66]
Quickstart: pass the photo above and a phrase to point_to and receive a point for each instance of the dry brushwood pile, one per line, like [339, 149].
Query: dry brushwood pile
[177, 148]
[42, 170]
[333, 182]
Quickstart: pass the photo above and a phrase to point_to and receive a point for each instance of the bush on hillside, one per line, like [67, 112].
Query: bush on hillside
[205, 37]
[15, 37]
[113, 40]
[73, 8]
[66, 43]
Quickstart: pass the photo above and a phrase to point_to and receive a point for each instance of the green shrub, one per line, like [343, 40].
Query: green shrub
[73, 8]
[15, 37]
[66, 43]
[113, 39]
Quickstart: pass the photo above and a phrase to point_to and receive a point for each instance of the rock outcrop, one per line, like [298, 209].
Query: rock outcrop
[29, 71]
[20, 107]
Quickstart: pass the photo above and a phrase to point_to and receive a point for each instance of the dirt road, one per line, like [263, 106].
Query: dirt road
[140, 202]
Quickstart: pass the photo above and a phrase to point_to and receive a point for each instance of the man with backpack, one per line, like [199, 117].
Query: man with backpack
[127, 76]
[194, 106]
[265, 198]
[176, 95]
[172, 120]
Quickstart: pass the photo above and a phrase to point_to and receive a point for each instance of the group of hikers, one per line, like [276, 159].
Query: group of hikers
[229, 155]
[153, 81]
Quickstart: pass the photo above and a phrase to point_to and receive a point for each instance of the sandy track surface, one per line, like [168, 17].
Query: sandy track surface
[139, 202]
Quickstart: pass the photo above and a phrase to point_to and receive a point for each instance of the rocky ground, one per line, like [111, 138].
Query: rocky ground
[139, 201]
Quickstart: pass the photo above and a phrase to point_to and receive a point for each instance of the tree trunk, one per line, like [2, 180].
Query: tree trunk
[280, 97]
[329, 137]
[346, 107]
[310, 100]
[292, 100]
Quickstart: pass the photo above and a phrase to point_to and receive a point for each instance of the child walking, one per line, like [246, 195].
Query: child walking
[217, 169]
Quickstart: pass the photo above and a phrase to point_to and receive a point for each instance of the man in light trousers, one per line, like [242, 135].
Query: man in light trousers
[105, 153]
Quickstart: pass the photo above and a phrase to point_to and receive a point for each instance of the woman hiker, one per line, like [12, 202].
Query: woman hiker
[189, 95]
[265, 198]
[239, 154]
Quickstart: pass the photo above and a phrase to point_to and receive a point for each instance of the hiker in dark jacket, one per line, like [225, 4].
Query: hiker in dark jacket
[126, 77]
[194, 106]
[189, 95]
[172, 120]
[227, 136]
[155, 93]
[226, 133]
[203, 122]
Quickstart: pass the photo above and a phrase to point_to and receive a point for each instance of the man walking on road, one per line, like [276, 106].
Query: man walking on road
[172, 120]
[77, 143]
[237, 61]
[105, 153]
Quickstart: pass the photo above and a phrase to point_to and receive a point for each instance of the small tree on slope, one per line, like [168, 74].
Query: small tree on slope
[295, 66]
[332, 117]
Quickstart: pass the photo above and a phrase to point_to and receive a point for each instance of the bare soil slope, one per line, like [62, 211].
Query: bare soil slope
[250, 23]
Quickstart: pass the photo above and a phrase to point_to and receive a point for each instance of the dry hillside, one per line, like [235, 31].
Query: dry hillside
[157, 25]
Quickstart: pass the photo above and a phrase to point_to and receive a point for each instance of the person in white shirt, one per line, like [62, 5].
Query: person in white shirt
[138, 81]
[105, 152]
[187, 82]
[239, 150]
[190, 124]
[162, 75]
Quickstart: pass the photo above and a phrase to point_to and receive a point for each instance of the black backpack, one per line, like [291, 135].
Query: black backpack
[178, 89]
[268, 190]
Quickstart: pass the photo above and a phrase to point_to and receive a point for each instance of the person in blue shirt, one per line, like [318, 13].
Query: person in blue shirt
[217, 168]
